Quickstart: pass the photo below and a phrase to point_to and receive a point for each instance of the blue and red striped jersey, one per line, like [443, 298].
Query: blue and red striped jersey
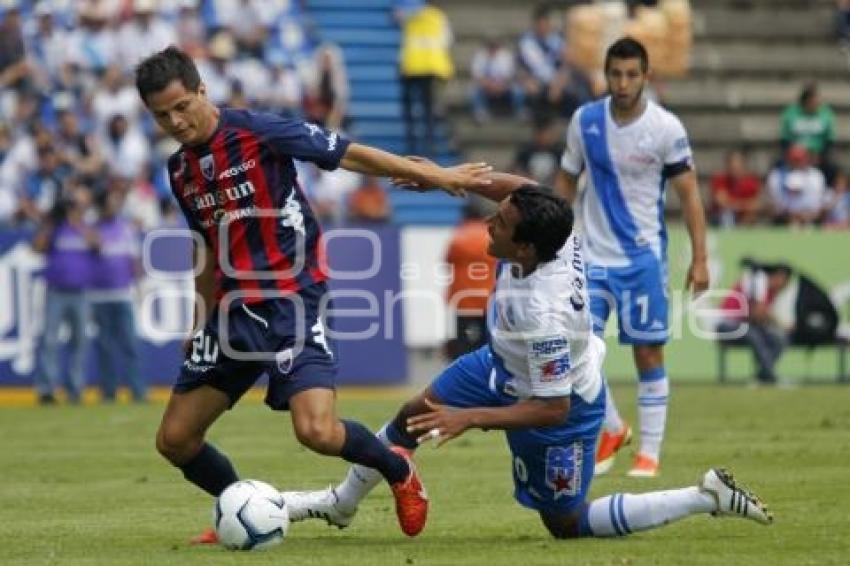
[240, 192]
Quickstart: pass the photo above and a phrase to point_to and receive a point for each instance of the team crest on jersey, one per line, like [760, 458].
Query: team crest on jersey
[208, 167]
[284, 360]
[563, 469]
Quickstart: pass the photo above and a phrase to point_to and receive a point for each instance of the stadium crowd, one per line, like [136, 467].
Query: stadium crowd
[70, 117]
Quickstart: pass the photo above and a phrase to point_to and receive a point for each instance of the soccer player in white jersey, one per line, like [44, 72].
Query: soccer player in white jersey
[631, 149]
[540, 381]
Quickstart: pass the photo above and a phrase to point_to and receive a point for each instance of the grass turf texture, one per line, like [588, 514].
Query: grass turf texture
[83, 485]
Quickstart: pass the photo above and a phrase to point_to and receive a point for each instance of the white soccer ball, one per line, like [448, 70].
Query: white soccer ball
[250, 515]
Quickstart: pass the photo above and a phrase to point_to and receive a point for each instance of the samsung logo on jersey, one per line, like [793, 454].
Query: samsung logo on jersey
[241, 168]
[222, 196]
[548, 347]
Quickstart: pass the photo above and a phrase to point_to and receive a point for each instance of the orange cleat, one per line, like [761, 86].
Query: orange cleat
[411, 499]
[644, 467]
[609, 444]
[209, 536]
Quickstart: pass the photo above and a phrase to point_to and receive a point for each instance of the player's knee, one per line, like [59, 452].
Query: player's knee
[176, 445]
[318, 435]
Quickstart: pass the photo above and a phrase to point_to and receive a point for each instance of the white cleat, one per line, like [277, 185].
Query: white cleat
[732, 499]
[321, 504]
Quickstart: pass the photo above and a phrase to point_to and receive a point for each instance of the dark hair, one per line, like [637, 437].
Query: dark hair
[156, 72]
[547, 220]
[541, 11]
[810, 90]
[627, 48]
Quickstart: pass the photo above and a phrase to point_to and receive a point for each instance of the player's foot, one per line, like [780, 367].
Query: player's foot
[644, 467]
[321, 504]
[209, 536]
[411, 499]
[609, 444]
[733, 499]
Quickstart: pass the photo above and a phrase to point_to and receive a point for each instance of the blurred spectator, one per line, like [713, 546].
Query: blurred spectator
[114, 96]
[8, 196]
[77, 149]
[285, 90]
[369, 202]
[327, 91]
[539, 54]
[842, 21]
[43, 187]
[13, 64]
[735, 193]
[425, 59]
[144, 34]
[216, 69]
[838, 205]
[797, 189]
[47, 47]
[330, 191]
[92, 43]
[810, 124]
[494, 89]
[125, 150]
[748, 312]
[473, 277]
[69, 245]
[569, 89]
[116, 267]
[189, 28]
[540, 159]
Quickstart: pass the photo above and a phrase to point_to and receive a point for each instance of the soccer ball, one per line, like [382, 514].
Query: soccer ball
[250, 515]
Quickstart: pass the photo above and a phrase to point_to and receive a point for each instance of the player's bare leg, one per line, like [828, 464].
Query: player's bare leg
[318, 428]
[653, 392]
[180, 439]
[624, 513]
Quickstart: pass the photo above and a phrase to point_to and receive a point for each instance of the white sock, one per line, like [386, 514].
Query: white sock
[613, 422]
[360, 480]
[623, 513]
[652, 413]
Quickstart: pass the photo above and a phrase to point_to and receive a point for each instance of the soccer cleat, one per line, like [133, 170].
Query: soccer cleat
[732, 499]
[411, 499]
[321, 504]
[609, 444]
[644, 467]
[209, 536]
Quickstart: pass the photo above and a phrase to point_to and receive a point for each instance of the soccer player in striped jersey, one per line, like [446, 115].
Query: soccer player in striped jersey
[261, 277]
[539, 380]
[631, 149]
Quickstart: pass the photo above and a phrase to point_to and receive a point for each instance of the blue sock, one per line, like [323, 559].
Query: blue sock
[398, 435]
[210, 470]
[363, 447]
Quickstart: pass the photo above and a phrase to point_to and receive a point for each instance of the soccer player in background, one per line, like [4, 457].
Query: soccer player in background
[631, 149]
[260, 278]
[540, 381]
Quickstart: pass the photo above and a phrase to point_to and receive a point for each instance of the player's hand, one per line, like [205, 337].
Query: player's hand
[698, 277]
[441, 424]
[456, 180]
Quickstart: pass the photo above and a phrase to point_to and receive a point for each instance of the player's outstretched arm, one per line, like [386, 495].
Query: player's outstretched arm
[442, 423]
[687, 188]
[455, 180]
[566, 186]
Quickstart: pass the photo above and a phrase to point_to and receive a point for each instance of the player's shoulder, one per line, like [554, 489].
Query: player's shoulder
[664, 117]
[256, 120]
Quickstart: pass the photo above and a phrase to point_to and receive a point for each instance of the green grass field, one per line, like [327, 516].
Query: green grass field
[83, 485]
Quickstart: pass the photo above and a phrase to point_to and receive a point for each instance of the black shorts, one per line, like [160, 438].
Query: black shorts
[284, 337]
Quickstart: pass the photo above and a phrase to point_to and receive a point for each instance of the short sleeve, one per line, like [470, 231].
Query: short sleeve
[175, 165]
[678, 146]
[549, 365]
[572, 161]
[304, 141]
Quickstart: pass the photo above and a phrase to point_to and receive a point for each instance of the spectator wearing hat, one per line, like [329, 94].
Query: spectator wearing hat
[143, 34]
[797, 189]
